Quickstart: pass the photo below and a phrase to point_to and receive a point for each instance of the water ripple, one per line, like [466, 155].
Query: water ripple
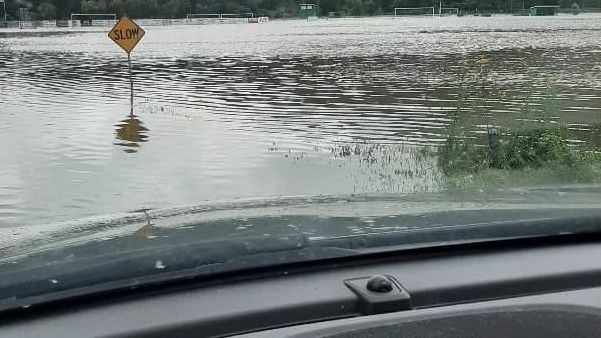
[211, 105]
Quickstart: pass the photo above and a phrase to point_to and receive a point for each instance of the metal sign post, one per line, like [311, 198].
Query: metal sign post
[131, 80]
[126, 34]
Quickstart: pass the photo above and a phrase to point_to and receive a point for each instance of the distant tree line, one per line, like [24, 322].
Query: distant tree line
[62, 9]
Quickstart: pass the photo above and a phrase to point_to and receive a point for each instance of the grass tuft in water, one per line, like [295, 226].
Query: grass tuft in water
[534, 151]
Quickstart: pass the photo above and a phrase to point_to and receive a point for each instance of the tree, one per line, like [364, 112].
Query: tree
[46, 11]
[93, 6]
[62, 9]
[172, 8]
[354, 7]
[370, 7]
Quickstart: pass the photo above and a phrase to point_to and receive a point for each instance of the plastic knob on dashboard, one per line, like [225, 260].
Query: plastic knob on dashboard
[379, 284]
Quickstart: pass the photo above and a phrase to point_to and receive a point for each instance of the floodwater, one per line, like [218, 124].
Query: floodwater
[287, 108]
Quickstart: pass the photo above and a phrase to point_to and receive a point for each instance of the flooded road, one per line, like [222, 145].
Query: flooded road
[237, 111]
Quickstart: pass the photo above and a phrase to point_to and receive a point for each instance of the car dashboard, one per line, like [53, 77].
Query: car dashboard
[530, 288]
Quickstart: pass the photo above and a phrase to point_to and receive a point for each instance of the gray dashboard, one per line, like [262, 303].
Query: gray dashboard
[564, 314]
[556, 286]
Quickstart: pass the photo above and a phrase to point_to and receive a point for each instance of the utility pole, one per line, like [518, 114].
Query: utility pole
[4, 3]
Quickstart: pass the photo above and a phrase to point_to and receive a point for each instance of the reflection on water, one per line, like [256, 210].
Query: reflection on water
[130, 133]
[268, 110]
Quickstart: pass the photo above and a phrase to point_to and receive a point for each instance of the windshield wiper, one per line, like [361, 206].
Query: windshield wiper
[129, 262]
[36, 280]
[467, 233]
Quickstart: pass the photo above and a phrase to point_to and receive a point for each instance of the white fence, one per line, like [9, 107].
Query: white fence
[200, 21]
[141, 22]
[91, 23]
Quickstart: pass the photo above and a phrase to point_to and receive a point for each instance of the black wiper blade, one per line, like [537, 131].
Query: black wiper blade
[428, 236]
[41, 283]
[281, 258]
[185, 254]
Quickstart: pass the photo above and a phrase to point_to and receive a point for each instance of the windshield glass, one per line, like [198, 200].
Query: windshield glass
[201, 122]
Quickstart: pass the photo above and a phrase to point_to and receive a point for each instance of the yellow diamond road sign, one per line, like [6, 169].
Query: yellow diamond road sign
[126, 34]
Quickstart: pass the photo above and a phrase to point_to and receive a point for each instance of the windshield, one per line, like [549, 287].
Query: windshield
[203, 122]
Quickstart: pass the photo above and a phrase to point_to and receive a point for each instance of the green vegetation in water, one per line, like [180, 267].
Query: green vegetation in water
[535, 151]
[536, 157]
